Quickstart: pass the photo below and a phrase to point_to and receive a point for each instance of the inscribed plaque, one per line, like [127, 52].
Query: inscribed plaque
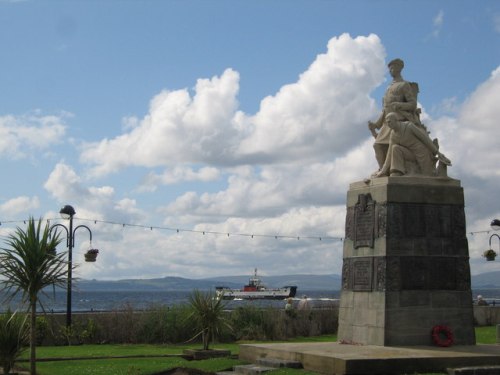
[362, 274]
[364, 221]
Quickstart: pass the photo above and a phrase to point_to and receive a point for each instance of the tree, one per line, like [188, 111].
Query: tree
[28, 264]
[207, 313]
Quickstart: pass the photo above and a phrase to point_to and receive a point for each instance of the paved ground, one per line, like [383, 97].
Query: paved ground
[335, 358]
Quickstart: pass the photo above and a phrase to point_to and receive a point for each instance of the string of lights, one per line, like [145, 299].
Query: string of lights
[183, 230]
[205, 232]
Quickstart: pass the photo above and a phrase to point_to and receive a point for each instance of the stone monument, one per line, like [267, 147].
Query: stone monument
[405, 258]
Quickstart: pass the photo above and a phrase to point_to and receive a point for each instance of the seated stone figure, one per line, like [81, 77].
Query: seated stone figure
[411, 151]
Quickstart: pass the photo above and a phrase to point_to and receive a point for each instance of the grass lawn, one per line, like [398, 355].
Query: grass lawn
[148, 359]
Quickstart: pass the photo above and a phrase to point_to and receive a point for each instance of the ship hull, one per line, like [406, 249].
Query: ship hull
[273, 294]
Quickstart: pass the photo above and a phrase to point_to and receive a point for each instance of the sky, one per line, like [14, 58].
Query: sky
[208, 138]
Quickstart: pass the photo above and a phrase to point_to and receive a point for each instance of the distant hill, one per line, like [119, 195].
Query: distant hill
[304, 282]
[486, 280]
[169, 283]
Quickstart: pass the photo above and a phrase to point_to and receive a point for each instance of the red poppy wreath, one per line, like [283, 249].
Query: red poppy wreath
[442, 336]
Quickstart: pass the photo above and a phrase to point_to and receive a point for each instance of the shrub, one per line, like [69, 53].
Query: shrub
[207, 316]
[160, 324]
[42, 326]
[14, 337]
[247, 322]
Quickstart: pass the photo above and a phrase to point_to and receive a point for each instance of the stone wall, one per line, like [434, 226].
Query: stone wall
[486, 315]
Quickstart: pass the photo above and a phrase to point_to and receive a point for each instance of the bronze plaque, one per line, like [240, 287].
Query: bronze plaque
[364, 221]
[362, 274]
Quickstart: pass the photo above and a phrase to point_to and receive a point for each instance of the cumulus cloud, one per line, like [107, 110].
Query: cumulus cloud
[270, 190]
[179, 174]
[23, 136]
[470, 135]
[99, 202]
[286, 168]
[19, 205]
[469, 139]
[178, 129]
[283, 171]
[320, 115]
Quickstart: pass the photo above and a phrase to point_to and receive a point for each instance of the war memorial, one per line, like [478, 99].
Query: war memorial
[406, 301]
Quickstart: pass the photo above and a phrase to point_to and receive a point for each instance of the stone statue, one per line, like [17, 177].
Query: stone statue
[411, 151]
[401, 99]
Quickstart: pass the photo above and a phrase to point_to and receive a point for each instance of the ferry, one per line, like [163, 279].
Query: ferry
[255, 289]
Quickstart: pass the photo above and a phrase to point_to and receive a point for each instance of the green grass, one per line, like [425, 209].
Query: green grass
[130, 366]
[486, 335]
[92, 351]
[87, 364]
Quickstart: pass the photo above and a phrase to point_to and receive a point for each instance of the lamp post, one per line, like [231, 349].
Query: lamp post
[67, 212]
[495, 224]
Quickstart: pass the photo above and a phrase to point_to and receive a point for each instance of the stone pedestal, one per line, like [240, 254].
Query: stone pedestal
[406, 263]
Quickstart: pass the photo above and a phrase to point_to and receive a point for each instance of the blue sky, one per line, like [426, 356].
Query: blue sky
[239, 117]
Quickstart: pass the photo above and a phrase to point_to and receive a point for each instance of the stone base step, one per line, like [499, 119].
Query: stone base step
[252, 369]
[278, 363]
[262, 366]
[475, 370]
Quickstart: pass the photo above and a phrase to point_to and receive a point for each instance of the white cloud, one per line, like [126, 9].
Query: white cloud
[496, 22]
[471, 136]
[101, 202]
[437, 23]
[309, 141]
[286, 168]
[19, 205]
[179, 174]
[447, 106]
[23, 136]
[177, 129]
[321, 115]
[469, 140]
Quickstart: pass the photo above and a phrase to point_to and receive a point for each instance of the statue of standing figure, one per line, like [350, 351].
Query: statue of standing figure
[402, 144]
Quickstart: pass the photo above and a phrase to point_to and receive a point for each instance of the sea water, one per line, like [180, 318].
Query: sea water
[85, 301]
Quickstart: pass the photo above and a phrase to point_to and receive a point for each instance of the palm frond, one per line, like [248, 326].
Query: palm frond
[30, 263]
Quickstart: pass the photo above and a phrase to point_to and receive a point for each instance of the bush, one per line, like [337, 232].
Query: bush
[164, 325]
[248, 322]
[160, 324]
[42, 326]
[14, 337]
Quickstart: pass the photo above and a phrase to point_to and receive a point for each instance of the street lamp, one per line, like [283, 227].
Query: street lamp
[67, 212]
[495, 224]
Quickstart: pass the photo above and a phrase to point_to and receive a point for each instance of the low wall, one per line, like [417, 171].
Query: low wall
[486, 315]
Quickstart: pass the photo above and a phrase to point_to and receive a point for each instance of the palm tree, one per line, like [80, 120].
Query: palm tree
[28, 265]
[207, 314]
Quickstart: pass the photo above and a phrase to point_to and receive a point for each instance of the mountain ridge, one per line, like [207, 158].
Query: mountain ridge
[176, 283]
[304, 282]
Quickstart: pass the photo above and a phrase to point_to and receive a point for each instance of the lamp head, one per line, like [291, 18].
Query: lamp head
[495, 224]
[67, 212]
